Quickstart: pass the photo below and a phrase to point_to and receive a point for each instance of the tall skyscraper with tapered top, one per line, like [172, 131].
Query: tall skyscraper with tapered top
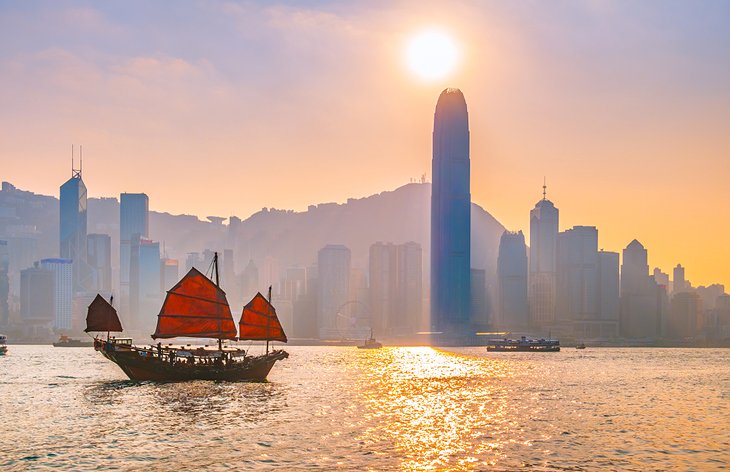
[73, 228]
[450, 216]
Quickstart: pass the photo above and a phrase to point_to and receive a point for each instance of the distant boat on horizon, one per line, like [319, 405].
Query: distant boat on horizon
[3, 344]
[195, 307]
[65, 341]
[524, 345]
[370, 343]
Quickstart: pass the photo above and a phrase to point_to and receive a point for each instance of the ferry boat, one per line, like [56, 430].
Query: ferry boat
[65, 341]
[196, 307]
[3, 344]
[370, 343]
[524, 345]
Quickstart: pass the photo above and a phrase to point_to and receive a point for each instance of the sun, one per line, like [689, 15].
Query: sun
[432, 55]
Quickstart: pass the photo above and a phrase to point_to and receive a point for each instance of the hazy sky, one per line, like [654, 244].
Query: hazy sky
[219, 108]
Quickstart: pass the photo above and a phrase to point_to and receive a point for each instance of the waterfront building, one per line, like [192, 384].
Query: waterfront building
[609, 300]
[396, 288]
[134, 223]
[641, 306]
[249, 281]
[37, 301]
[4, 283]
[685, 316]
[479, 301]
[169, 274]
[62, 270]
[72, 228]
[577, 280]
[144, 283]
[543, 262]
[450, 216]
[333, 267]
[99, 260]
[678, 279]
[512, 301]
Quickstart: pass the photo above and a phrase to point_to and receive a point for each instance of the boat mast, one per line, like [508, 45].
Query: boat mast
[267, 324]
[217, 284]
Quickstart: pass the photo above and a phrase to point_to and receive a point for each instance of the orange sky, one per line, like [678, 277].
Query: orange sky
[223, 108]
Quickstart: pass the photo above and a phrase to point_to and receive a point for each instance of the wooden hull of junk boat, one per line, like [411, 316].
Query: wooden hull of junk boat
[139, 367]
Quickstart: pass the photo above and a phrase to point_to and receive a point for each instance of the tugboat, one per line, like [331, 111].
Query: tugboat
[65, 341]
[370, 343]
[3, 344]
[196, 307]
[580, 346]
[524, 345]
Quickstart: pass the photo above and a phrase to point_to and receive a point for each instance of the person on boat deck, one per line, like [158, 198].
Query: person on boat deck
[159, 349]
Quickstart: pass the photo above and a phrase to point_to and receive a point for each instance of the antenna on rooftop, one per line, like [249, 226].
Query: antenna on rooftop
[76, 173]
[544, 188]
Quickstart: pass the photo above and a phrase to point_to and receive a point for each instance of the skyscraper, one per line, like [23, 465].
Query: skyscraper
[678, 279]
[577, 279]
[133, 220]
[62, 291]
[450, 215]
[543, 261]
[396, 288]
[99, 259]
[641, 308]
[512, 279]
[73, 228]
[333, 267]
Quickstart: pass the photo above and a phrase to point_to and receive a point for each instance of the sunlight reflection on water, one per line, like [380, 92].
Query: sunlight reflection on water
[387, 409]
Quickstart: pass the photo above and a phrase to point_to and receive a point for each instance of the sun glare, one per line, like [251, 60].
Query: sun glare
[432, 55]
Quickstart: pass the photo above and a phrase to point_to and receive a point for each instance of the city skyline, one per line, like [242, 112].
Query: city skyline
[630, 137]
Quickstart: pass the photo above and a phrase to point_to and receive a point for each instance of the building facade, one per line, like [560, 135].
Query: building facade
[512, 301]
[62, 270]
[72, 226]
[543, 263]
[451, 216]
[333, 270]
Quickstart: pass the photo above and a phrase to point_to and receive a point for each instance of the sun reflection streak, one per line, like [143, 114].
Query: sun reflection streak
[440, 410]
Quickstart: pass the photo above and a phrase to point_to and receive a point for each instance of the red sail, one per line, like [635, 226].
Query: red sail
[102, 316]
[197, 308]
[259, 321]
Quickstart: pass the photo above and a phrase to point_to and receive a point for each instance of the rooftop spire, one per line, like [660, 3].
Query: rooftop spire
[544, 188]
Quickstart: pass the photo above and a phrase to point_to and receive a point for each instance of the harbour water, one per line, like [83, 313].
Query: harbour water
[388, 409]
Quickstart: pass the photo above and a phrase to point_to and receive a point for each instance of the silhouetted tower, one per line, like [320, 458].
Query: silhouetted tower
[73, 225]
[543, 261]
[450, 215]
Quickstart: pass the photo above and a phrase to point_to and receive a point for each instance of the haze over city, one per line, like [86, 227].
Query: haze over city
[221, 108]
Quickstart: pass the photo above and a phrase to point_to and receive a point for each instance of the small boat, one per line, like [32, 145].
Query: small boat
[370, 343]
[580, 346]
[195, 307]
[524, 345]
[3, 344]
[65, 341]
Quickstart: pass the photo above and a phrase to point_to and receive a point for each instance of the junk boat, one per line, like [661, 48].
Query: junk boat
[524, 345]
[194, 308]
[3, 344]
[370, 343]
[65, 341]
